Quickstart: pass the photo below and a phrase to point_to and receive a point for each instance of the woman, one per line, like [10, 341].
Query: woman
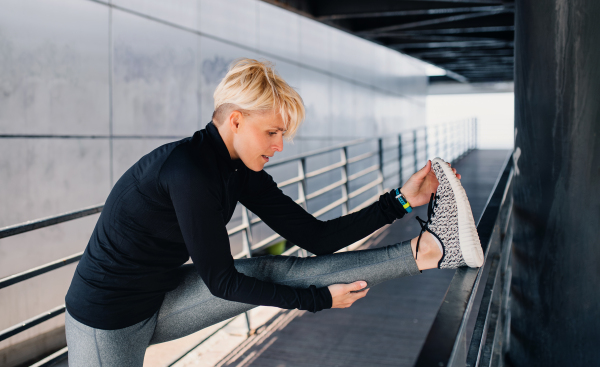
[131, 288]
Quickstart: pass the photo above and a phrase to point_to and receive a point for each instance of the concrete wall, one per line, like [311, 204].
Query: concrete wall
[88, 87]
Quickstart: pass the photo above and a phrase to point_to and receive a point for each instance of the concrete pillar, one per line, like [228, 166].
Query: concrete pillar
[555, 293]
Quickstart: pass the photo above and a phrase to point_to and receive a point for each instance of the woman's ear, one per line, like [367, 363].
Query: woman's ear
[234, 121]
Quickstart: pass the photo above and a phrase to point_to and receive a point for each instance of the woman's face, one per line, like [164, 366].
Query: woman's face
[259, 135]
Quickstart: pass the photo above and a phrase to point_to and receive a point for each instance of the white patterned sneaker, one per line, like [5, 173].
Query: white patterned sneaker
[450, 220]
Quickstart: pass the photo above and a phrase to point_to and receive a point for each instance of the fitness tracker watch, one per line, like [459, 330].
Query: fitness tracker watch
[405, 204]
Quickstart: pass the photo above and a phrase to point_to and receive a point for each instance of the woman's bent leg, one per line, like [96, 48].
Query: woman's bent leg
[90, 347]
[191, 307]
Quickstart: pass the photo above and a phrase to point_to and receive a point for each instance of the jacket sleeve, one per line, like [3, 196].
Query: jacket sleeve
[197, 204]
[290, 220]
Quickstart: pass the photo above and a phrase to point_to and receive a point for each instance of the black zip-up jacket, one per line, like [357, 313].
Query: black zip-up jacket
[175, 203]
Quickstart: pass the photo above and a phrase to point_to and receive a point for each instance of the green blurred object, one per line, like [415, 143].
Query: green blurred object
[277, 248]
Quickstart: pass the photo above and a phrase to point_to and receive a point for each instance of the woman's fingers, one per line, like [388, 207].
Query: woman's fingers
[356, 286]
[454, 170]
[422, 173]
[355, 296]
[344, 295]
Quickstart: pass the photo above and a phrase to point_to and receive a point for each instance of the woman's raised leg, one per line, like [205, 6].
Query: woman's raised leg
[191, 307]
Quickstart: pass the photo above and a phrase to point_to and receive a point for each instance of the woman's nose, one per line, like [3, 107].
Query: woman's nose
[279, 145]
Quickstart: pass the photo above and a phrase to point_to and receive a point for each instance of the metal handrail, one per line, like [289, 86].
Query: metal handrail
[363, 172]
[359, 158]
[49, 221]
[447, 344]
[19, 277]
[250, 246]
[27, 324]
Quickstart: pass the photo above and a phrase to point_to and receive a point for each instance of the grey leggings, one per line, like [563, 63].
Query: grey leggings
[191, 307]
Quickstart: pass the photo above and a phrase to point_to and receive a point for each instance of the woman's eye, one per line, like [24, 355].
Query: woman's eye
[271, 133]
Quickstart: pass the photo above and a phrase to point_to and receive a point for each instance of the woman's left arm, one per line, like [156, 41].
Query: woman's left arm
[290, 220]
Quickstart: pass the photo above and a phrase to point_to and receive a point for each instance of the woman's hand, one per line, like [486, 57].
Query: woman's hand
[421, 185]
[344, 295]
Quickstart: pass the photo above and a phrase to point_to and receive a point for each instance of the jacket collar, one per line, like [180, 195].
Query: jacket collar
[221, 148]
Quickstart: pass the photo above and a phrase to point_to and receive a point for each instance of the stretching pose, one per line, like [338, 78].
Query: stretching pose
[131, 288]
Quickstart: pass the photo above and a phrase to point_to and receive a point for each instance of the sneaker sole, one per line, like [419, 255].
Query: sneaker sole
[470, 246]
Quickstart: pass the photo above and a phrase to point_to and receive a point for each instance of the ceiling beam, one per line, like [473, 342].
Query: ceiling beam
[436, 21]
[497, 59]
[461, 53]
[459, 44]
[467, 68]
[410, 37]
[474, 65]
[477, 66]
[453, 31]
[403, 13]
[507, 66]
[478, 57]
[484, 62]
[470, 72]
[334, 7]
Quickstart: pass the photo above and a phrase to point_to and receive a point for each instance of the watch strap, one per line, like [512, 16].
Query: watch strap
[405, 204]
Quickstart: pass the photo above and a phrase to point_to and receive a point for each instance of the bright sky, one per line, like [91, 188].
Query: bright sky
[494, 111]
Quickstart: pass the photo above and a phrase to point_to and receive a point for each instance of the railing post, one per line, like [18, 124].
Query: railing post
[400, 178]
[250, 331]
[469, 133]
[415, 150]
[346, 187]
[247, 243]
[437, 141]
[463, 139]
[473, 133]
[461, 147]
[247, 238]
[446, 143]
[453, 145]
[380, 146]
[453, 141]
[465, 134]
[426, 144]
[458, 140]
[476, 136]
[302, 189]
[471, 125]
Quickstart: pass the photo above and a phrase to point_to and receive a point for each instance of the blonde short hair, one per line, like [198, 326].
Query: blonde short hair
[252, 85]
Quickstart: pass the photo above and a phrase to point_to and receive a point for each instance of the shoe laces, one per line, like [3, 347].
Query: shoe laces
[425, 223]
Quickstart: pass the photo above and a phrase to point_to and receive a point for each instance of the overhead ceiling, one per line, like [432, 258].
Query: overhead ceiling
[472, 39]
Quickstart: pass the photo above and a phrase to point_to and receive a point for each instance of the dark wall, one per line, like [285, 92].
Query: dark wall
[556, 260]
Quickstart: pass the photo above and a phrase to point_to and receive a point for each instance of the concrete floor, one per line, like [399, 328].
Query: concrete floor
[386, 328]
